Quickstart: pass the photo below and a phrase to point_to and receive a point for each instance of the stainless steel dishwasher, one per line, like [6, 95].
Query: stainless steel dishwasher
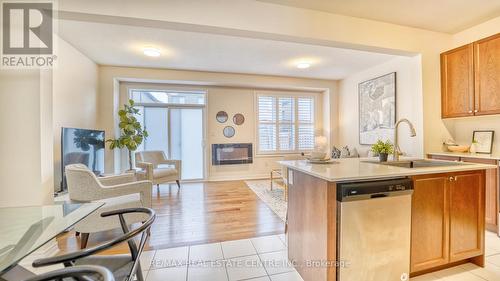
[373, 230]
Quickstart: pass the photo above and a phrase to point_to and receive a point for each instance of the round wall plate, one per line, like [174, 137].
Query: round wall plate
[228, 132]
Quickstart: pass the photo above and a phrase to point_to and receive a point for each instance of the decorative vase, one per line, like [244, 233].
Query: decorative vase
[383, 157]
[473, 148]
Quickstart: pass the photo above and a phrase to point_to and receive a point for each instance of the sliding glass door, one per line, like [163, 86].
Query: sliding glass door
[177, 129]
[186, 140]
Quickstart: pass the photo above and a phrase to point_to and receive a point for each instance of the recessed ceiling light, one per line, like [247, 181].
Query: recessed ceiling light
[303, 65]
[151, 52]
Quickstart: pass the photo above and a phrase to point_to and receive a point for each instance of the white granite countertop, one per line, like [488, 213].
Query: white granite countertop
[350, 169]
[467, 154]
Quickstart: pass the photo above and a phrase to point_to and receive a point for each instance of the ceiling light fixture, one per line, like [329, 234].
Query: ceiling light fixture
[303, 65]
[151, 52]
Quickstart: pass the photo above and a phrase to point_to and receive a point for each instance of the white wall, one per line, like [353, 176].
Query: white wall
[462, 128]
[26, 125]
[226, 91]
[74, 98]
[408, 103]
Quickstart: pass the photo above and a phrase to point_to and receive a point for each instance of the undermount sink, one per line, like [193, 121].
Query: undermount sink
[421, 163]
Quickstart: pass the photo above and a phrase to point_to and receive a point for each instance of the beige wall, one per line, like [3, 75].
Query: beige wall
[74, 98]
[231, 92]
[238, 18]
[26, 124]
[408, 103]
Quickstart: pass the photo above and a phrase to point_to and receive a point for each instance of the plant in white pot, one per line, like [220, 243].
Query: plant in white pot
[131, 132]
[383, 149]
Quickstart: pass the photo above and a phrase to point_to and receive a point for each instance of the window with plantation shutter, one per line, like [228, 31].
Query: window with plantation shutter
[285, 123]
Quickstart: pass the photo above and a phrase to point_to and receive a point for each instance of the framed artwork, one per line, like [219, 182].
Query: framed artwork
[483, 141]
[377, 109]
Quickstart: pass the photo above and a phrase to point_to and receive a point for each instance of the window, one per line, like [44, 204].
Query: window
[285, 123]
[167, 97]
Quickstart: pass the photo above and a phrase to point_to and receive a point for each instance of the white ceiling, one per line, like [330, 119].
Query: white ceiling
[120, 45]
[448, 16]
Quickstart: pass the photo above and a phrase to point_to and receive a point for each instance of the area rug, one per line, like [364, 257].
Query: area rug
[274, 199]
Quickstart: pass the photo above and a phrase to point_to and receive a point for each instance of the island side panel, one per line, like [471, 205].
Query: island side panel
[312, 226]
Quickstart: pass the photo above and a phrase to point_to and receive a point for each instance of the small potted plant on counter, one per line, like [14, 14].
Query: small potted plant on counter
[383, 149]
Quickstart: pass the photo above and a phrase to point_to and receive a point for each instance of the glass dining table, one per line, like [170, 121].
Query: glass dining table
[23, 230]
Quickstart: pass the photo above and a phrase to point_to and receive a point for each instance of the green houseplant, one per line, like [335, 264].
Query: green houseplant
[383, 149]
[131, 132]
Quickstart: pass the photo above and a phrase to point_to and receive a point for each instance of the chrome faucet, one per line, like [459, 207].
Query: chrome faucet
[413, 133]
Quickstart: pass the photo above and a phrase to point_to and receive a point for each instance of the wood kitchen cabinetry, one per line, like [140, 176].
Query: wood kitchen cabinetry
[457, 82]
[447, 220]
[491, 193]
[492, 187]
[470, 79]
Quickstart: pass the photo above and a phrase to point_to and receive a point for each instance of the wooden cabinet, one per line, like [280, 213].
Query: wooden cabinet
[429, 223]
[487, 75]
[457, 82]
[491, 192]
[466, 208]
[470, 79]
[447, 219]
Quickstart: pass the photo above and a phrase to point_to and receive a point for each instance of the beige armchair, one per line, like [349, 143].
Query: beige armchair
[155, 164]
[116, 192]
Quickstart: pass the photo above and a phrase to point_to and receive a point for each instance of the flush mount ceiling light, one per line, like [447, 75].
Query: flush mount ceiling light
[303, 65]
[151, 52]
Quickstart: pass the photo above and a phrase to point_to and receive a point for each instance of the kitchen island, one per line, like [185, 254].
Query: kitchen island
[447, 215]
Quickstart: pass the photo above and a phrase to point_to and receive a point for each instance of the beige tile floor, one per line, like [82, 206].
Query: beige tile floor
[264, 259]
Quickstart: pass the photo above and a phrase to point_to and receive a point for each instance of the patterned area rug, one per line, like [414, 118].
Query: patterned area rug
[274, 199]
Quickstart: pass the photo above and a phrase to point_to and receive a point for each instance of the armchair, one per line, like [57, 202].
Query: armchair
[153, 162]
[116, 192]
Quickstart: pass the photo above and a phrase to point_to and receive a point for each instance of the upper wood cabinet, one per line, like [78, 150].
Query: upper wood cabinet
[457, 82]
[470, 79]
[487, 75]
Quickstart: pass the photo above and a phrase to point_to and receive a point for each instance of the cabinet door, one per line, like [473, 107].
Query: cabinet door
[457, 82]
[466, 216]
[430, 223]
[487, 75]
[491, 193]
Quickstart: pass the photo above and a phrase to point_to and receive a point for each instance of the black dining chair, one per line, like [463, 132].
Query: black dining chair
[123, 267]
[77, 273]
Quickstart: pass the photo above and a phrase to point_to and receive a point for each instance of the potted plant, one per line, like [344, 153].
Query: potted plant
[131, 132]
[383, 149]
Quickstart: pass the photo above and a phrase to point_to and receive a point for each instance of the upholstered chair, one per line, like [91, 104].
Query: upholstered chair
[116, 192]
[158, 168]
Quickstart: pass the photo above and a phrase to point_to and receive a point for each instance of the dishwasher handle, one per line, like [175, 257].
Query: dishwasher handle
[379, 195]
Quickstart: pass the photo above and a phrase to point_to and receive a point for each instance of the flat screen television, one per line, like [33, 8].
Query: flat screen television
[82, 146]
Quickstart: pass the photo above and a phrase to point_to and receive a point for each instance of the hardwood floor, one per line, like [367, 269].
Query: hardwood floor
[196, 214]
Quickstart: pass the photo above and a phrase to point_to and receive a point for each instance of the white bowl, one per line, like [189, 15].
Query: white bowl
[318, 155]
